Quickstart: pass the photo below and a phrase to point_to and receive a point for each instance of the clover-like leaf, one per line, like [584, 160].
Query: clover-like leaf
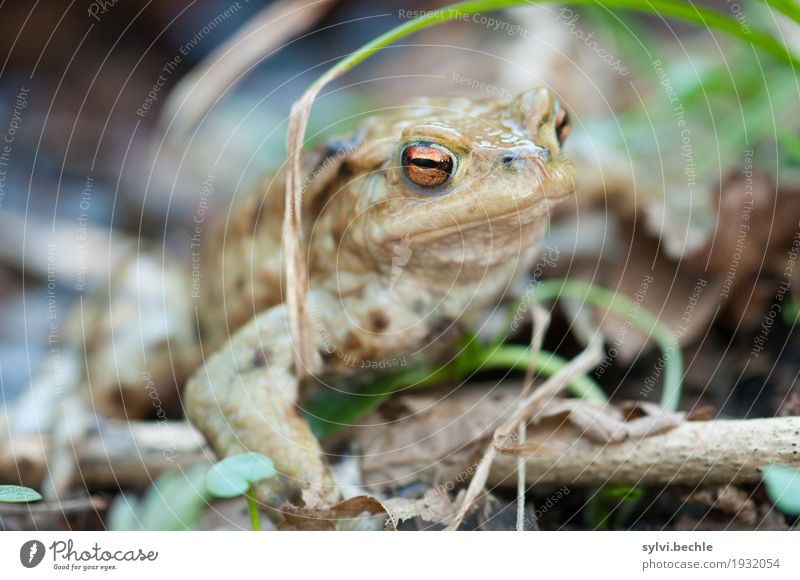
[18, 494]
[234, 475]
[783, 488]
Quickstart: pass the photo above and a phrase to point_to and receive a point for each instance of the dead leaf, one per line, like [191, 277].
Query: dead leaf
[747, 227]
[436, 506]
[729, 500]
[432, 436]
[767, 519]
[316, 513]
[437, 439]
[609, 423]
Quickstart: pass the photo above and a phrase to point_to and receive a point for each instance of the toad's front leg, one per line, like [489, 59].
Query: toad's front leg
[244, 398]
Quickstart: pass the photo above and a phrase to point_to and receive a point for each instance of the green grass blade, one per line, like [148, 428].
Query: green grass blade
[787, 7]
[688, 12]
[671, 355]
[332, 411]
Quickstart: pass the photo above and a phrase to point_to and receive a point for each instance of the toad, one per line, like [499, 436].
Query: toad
[415, 226]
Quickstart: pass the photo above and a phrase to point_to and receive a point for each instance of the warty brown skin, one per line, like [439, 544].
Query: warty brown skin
[396, 269]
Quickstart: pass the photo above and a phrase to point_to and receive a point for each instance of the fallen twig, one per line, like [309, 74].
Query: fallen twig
[708, 452]
[132, 454]
[67, 506]
[117, 455]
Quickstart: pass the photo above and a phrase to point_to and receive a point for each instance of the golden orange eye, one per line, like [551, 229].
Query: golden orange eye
[562, 126]
[427, 165]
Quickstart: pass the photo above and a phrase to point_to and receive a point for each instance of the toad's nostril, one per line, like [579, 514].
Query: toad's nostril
[507, 159]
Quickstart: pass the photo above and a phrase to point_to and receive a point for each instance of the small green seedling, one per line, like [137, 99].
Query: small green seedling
[783, 488]
[237, 475]
[611, 506]
[791, 312]
[18, 494]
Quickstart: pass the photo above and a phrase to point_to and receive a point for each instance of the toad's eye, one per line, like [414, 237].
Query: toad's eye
[562, 126]
[428, 165]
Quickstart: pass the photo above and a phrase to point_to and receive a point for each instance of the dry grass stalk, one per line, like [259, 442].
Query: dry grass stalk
[541, 321]
[527, 407]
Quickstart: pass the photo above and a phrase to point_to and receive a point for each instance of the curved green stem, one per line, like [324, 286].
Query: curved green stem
[506, 357]
[686, 11]
[252, 509]
[333, 411]
[671, 356]
[787, 7]
[516, 357]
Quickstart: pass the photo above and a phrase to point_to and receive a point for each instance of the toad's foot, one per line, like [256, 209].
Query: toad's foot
[244, 398]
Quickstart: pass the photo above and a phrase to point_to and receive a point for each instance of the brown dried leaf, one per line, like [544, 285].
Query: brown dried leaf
[607, 424]
[729, 500]
[748, 226]
[755, 227]
[436, 506]
[316, 513]
[767, 519]
[430, 437]
[438, 441]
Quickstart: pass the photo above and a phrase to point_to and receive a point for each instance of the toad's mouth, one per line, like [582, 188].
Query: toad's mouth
[529, 215]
